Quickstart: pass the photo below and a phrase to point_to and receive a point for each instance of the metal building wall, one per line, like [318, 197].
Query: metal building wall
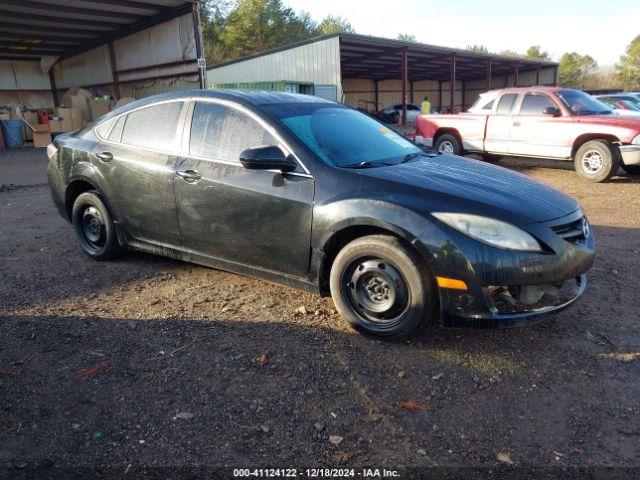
[317, 63]
[156, 51]
[25, 83]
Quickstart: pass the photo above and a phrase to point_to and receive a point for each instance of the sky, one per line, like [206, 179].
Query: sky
[600, 29]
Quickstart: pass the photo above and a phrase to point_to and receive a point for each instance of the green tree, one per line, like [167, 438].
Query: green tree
[477, 48]
[574, 68]
[212, 21]
[509, 53]
[331, 24]
[629, 67]
[257, 25]
[407, 37]
[536, 52]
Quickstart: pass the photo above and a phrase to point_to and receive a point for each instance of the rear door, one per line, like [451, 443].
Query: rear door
[498, 129]
[256, 217]
[536, 134]
[137, 158]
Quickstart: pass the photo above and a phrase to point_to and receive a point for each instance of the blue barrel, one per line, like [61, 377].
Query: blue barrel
[12, 133]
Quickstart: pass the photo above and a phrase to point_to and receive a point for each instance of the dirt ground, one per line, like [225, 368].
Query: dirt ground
[147, 363]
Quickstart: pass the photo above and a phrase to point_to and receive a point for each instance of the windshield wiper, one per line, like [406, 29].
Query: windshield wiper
[365, 164]
[412, 155]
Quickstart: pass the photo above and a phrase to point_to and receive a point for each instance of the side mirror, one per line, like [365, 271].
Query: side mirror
[266, 158]
[553, 111]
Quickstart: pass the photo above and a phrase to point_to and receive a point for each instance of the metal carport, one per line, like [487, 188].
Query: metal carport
[95, 43]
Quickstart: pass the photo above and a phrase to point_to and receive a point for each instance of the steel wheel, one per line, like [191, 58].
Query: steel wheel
[376, 291]
[592, 161]
[93, 229]
[446, 147]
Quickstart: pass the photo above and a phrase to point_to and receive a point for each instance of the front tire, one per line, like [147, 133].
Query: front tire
[449, 144]
[597, 160]
[94, 227]
[631, 169]
[382, 288]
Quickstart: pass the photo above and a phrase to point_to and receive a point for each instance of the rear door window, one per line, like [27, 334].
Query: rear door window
[153, 127]
[116, 131]
[505, 105]
[221, 133]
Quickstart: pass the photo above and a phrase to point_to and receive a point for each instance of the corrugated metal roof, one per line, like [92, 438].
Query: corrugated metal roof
[30, 29]
[380, 58]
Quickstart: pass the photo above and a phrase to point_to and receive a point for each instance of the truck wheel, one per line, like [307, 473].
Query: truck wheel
[449, 144]
[382, 288]
[632, 169]
[597, 160]
[94, 228]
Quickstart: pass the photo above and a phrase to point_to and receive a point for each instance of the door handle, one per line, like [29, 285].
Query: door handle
[191, 176]
[104, 156]
[516, 124]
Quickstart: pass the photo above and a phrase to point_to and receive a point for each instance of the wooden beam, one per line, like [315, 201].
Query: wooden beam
[50, 7]
[50, 39]
[33, 51]
[375, 96]
[489, 74]
[72, 22]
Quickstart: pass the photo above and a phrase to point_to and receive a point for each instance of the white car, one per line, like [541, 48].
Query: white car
[392, 113]
[622, 104]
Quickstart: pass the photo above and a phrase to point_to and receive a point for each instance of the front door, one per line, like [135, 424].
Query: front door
[137, 158]
[256, 217]
[538, 135]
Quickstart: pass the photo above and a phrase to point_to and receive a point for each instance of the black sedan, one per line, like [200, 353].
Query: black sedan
[318, 196]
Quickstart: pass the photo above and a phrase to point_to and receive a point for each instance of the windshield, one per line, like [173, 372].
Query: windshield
[580, 103]
[341, 136]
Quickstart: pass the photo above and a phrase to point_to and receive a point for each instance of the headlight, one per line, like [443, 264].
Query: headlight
[636, 140]
[487, 230]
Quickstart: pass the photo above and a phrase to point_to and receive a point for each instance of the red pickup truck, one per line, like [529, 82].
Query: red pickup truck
[545, 122]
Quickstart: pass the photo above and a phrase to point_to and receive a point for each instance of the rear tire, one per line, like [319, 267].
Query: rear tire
[382, 288]
[631, 169]
[94, 227]
[597, 160]
[449, 144]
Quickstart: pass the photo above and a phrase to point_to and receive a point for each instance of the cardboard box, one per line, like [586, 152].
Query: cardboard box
[55, 126]
[77, 121]
[5, 116]
[65, 118]
[41, 127]
[99, 107]
[78, 102]
[41, 139]
[30, 119]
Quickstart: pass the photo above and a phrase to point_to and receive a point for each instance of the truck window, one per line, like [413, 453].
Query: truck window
[535, 103]
[505, 105]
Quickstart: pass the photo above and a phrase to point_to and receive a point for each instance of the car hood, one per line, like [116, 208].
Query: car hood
[616, 120]
[460, 184]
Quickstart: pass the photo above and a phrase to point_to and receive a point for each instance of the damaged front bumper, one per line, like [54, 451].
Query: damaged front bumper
[507, 287]
[630, 154]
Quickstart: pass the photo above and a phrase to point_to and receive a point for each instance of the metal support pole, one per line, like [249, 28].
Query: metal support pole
[199, 52]
[405, 75]
[538, 75]
[464, 87]
[452, 84]
[489, 74]
[440, 95]
[54, 89]
[515, 75]
[411, 100]
[375, 96]
[114, 70]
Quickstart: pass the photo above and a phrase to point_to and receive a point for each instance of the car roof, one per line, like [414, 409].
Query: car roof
[537, 88]
[250, 98]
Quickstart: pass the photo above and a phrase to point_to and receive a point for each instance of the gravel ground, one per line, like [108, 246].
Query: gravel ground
[147, 363]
